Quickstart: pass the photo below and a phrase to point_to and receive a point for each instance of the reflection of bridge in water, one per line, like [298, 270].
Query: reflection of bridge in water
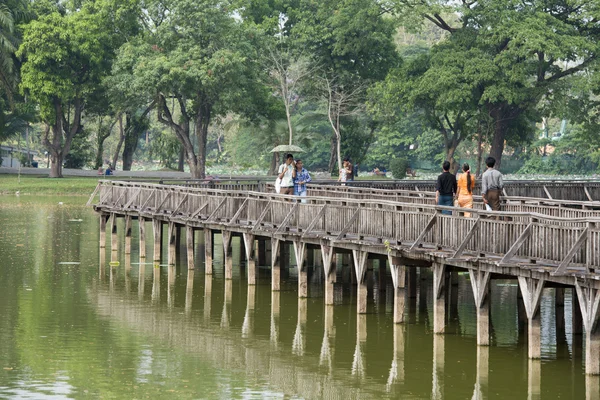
[557, 246]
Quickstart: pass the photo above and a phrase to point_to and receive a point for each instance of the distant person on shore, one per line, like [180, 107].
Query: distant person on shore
[491, 185]
[342, 177]
[445, 188]
[466, 184]
[349, 169]
[301, 178]
[286, 174]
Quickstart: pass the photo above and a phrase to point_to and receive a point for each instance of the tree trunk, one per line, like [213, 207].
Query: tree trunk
[332, 153]
[450, 151]
[56, 162]
[203, 116]
[274, 164]
[181, 159]
[479, 152]
[501, 115]
[58, 146]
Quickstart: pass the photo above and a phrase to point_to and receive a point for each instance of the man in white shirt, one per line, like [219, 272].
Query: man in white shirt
[286, 171]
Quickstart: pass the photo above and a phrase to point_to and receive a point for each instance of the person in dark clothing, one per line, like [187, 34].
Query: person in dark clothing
[445, 188]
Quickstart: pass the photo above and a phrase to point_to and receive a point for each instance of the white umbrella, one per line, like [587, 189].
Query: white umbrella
[291, 148]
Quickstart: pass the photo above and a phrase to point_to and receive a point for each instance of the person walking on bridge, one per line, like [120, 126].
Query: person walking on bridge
[491, 185]
[466, 184]
[445, 188]
[301, 178]
[286, 171]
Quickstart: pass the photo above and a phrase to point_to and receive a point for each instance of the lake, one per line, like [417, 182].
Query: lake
[73, 326]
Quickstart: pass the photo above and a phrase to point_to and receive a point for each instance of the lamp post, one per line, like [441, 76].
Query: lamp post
[47, 159]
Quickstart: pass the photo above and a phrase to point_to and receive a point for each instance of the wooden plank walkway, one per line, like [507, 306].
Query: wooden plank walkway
[536, 248]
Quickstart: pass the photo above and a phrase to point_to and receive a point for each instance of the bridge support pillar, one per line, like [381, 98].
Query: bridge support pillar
[360, 267]
[328, 256]
[142, 236]
[439, 297]
[480, 283]
[114, 238]
[227, 257]
[208, 251]
[128, 234]
[300, 253]
[399, 281]
[172, 244]
[276, 253]
[157, 231]
[250, 258]
[103, 220]
[589, 301]
[190, 242]
[262, 251]
[531, 289]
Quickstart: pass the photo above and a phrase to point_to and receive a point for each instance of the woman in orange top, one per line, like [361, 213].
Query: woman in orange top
[466, 184]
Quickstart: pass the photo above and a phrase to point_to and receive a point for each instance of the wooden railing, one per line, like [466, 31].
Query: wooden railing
[568, 245]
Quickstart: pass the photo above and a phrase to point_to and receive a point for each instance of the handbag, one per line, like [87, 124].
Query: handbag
[277, 185]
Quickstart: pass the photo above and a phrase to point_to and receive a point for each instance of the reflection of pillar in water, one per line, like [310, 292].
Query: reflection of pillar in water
[227, 256]
[142, 236]
[397, 368]
[275, 306]
[248, 325]
[299, 343]
[534, 379]
[171, 285]
[207, 297]
[326, 357]
[328, 256]
[300, 253]
[189, 291]
[437, 388]
[399, 282]
[360, 266]
[114, 239]
[208, 251]
[481, 381]
[172, 244]
[141, 274]
[189, 239]
[453, 287]
[127, 234]
[225, 315]
[113, 278]
[157, 231]
[128, 272]
[358, 362]
[592, 387]
[423, 295]
[156, 284]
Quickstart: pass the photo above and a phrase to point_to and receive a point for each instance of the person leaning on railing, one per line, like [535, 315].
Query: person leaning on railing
[491, 185]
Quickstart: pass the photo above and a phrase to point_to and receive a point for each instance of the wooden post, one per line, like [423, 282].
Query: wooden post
[250, 258]
[142, 228]
[227, 257]
[589, 301]
[328, 256]
[577, 319]
[300, 252]
[399, 281]
[439, 297]
[592, 387]
[190, 243]
[275, 264]
[531, 289]
[172, 244]
[128, 234]
[480, 283]
[208, 251]
[157, 230]
[360, 267]
[103, 221]
[114, 239]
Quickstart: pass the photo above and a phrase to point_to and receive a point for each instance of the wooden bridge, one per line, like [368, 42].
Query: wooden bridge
[539, 243]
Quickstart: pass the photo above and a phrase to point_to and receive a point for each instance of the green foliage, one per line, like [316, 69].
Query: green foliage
[398, 167]
[80, 155]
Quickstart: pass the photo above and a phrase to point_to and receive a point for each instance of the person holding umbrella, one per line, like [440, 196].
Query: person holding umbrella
[286, 174]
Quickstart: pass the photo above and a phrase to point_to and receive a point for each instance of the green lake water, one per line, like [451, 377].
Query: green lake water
[72, 326]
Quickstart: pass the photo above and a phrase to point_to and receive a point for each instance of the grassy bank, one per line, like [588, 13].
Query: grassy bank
[42, 185]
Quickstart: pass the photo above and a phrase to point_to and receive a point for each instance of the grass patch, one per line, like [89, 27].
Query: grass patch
[43, 186]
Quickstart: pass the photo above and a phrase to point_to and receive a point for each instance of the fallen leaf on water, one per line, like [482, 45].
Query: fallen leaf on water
[20, 245]
[8, 368]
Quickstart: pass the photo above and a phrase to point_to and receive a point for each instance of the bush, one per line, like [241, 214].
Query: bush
[398, 166]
